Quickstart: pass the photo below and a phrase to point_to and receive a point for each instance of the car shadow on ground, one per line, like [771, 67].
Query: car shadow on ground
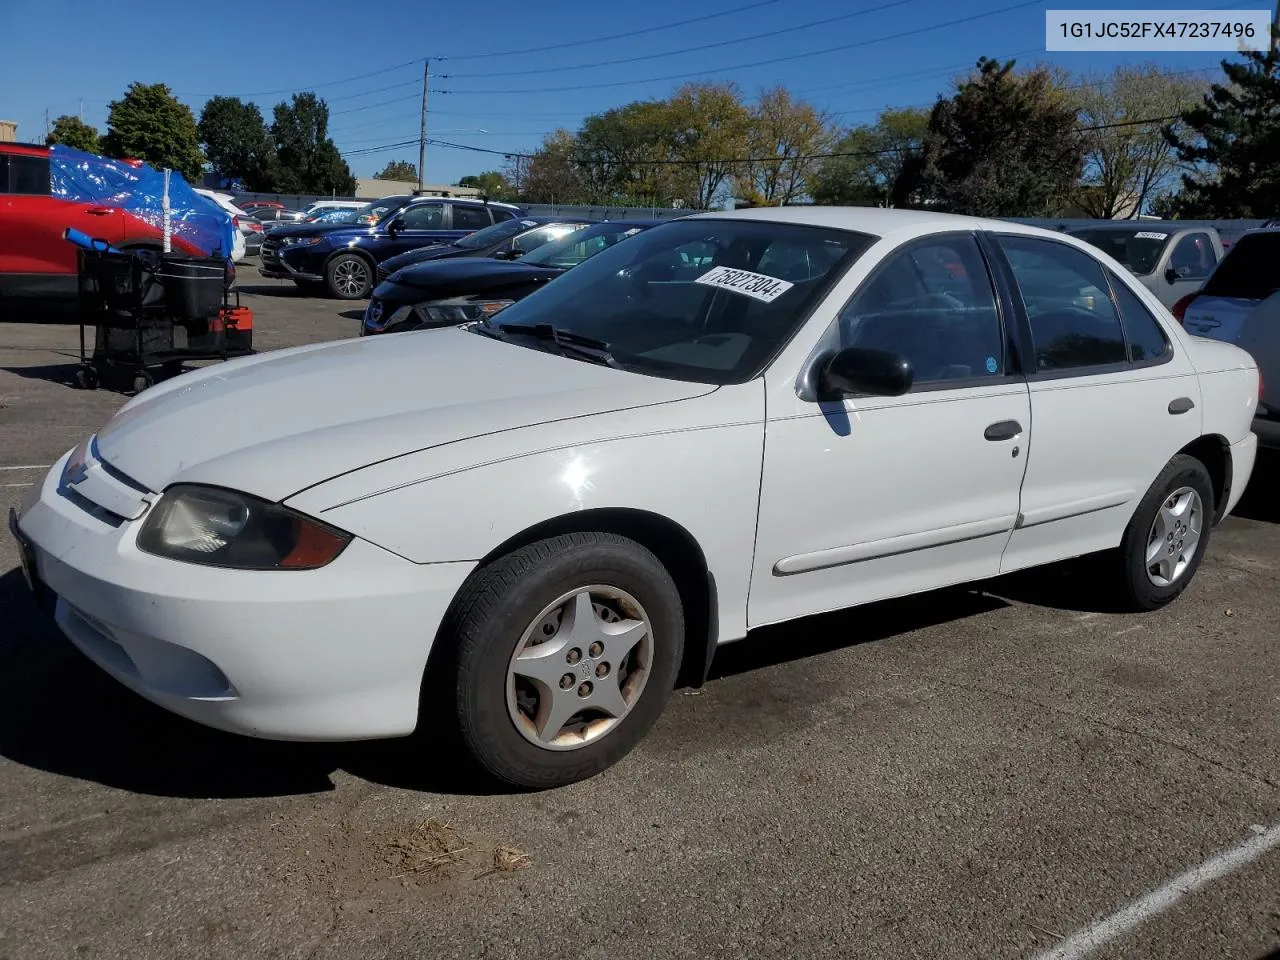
[1260, 501]
[62, 373]
[352, 314]
[284, 288]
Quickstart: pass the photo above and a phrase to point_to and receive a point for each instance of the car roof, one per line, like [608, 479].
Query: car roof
[889, 224]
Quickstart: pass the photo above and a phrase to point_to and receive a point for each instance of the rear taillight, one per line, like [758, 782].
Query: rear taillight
[235, 222]
[1180, 308]
[255, 226]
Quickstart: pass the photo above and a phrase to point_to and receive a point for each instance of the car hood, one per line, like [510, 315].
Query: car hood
[320, 230]
[418, 255]
[458, 277]
[276, 423]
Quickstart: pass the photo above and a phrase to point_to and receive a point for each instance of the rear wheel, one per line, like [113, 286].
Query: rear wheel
[566, 652]
[348, 277]
[1168, 535]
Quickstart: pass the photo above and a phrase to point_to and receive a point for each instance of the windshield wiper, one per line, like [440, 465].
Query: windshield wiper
[566, 341]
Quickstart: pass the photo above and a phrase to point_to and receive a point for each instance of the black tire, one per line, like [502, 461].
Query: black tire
[494, 609]
[1136, 589]
[143, 380]
[348, 276]
[87, 378]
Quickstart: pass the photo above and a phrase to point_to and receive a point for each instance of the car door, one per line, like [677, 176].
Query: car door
[1112, 399]
[872, 497]
[468, 218]
[1187, 265]
[418, 225]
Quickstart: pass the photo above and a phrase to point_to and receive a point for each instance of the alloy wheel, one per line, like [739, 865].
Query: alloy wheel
[1174, 536]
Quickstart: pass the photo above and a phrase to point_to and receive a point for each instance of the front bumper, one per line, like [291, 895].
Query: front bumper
[331, 654]
[290, 264]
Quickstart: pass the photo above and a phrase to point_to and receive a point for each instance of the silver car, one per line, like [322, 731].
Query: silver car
[1241, 304]
[1171, 263]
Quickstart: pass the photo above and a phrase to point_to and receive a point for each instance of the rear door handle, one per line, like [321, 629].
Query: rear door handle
[1004, 430]
[1180, 405]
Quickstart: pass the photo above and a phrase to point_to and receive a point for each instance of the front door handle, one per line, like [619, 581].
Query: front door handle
[100, 211]
[1180, 405]
[1004, 430]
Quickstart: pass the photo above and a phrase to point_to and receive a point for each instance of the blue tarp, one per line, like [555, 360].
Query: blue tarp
[138, 191]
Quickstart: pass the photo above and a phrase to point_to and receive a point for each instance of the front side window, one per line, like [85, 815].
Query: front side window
[469, 218]
[500, 214]
[699, 299]
[497, 233]
[1147, 341]
[423, 216]
[1074, 323]
[1249, 271]
[932, 303]
[1194, 257]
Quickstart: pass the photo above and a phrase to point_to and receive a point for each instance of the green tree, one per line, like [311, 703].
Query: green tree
[1005, 145]
[75, 133]
[236, 141]
[880, 163]
[401, 170]
[624, 156]
[551, 175]
[306, 159]
[491, 183]
[709, 126]
[149, 123]
[785, 141]
[1231, 142]
[1126, 163]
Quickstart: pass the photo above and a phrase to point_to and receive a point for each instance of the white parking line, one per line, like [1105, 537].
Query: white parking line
[1085, 941]
[30, 466]
[15, 484]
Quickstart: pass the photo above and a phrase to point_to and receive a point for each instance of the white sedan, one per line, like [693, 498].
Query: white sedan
[526, 528]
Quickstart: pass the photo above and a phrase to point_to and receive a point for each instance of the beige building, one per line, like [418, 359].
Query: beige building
[370, 189]
[8, 131]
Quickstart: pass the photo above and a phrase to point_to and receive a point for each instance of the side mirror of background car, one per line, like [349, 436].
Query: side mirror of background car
[509, 254]
[856, 370]
[395, 226]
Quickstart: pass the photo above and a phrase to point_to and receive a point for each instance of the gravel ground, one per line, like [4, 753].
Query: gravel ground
[974, 773]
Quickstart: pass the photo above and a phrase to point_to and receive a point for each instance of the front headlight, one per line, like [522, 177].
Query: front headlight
[459, 309]
[222, 528]
[301, 241]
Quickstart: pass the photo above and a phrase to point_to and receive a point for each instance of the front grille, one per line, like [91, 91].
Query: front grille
[271, 250]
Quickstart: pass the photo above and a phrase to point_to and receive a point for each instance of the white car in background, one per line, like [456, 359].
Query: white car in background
[528, 526]
[320, 206]
[243, 223]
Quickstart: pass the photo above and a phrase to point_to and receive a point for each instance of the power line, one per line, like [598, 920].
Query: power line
[701, 47]
[772, 60]
[709, 160]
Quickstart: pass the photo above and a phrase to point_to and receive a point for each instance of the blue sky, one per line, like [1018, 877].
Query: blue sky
[55, 54]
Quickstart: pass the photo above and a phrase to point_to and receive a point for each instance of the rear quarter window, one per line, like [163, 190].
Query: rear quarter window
[26, 175]
[1250, 271]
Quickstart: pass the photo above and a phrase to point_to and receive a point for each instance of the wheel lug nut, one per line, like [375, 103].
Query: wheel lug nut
[566, 681]
[602, 669]
[595, 649]
[584, 689]
[574, 655]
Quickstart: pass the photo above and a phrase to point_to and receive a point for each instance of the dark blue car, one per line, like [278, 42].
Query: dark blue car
[343, 258]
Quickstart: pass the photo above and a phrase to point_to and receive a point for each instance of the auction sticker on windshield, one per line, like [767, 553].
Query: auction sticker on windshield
[1150, 235]
[758, 286]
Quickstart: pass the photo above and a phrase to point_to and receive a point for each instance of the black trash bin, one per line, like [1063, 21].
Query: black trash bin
[193, 286]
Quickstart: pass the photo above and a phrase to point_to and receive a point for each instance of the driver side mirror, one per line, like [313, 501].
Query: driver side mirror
[856, 370]
[1174, 274]
[395, 226]
[508, 254]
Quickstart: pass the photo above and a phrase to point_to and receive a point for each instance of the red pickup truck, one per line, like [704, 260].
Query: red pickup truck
[37, 266]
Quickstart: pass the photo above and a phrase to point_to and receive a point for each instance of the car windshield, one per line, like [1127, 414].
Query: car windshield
[1137, 249]
[488, 236]
[333, 216]
[1249, 271]
[699, 299]
[580, 245]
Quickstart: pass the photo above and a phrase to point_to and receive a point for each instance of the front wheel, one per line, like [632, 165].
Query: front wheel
[1168, 534]
[566, 653]
[348, 277]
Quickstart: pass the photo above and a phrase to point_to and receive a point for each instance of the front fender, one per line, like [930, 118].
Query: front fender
[706, 479]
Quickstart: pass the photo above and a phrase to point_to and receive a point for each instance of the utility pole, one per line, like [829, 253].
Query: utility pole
[46, 124]
[421, 136]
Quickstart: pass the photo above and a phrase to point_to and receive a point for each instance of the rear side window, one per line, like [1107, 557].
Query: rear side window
[28, 175]
[1251, 271]
[1147, 342]
[469, 218]
[500, 214]
[1074, 322]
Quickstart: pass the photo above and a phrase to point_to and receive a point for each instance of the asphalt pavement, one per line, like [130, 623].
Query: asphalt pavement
[1006, 770]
